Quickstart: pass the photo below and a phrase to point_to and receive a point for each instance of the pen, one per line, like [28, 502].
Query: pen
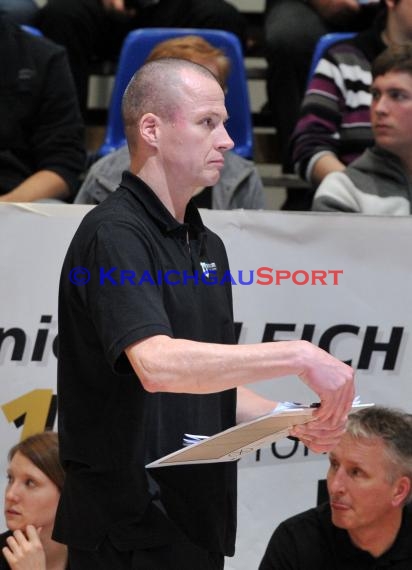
[313, 405]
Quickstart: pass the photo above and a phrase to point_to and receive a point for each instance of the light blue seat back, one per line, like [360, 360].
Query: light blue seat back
[137, 46]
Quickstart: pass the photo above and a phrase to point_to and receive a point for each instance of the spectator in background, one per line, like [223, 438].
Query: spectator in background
[35, 480]
[380, 180]
[239, 185]
[334, 127]
[292, 29]
[96, 28]
[41, 130]
[367, 522]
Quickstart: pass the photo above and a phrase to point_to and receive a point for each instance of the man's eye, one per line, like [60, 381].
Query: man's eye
[398, 96]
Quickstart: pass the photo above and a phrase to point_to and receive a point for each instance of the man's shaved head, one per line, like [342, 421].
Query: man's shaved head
[156, 88]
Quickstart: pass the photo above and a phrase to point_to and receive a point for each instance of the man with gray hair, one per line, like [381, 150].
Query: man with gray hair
[367, 523]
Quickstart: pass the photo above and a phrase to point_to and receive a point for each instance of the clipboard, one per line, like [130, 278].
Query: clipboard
[233, 443]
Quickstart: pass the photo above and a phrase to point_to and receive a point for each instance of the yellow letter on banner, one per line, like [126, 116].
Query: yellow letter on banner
[34, 406]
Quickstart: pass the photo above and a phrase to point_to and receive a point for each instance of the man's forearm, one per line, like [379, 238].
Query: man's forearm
[326, 164]
[164, 364]
[332, 9]
[42, 185]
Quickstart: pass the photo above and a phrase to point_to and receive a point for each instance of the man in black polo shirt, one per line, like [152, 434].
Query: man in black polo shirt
[367, 523]
[147, 347]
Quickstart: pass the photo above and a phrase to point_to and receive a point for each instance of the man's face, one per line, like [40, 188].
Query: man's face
[391, 112]
[193, 143]
[361, 496]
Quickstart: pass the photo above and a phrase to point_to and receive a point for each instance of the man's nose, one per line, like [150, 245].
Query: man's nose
[224, 140]
[380, 105]
[336, 483]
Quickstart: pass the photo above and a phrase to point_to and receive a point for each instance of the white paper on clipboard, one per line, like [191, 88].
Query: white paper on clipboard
[235, 442]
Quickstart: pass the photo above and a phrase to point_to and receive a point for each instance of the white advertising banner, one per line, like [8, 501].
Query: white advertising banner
[340, 281]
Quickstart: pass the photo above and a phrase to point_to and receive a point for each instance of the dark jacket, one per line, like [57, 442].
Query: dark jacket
[40, 122]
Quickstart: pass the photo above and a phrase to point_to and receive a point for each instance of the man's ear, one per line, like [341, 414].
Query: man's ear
[401, 490]
[149, 124]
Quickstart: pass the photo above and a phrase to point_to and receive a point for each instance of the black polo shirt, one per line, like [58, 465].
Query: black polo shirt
[310, 541]
[143, 273]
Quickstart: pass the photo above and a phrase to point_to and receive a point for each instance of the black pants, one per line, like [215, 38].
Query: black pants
[177, 556]
[88, 31]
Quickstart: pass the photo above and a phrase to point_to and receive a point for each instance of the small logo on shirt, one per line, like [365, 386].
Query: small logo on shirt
[207, 268]
[26, 73]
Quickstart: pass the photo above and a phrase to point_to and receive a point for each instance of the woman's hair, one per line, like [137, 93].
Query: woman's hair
[196, 49]
[42, 449]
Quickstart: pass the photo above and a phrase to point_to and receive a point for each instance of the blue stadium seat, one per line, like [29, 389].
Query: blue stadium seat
[137, 46]
[323, 44]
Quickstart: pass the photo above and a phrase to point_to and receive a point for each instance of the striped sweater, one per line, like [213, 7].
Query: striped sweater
[335, 111]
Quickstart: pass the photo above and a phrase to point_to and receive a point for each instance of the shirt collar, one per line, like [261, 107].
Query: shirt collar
[157, 210]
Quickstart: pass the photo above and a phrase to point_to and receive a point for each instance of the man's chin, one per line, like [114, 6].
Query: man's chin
[214, 177]
[340, 520]
[210, 179]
